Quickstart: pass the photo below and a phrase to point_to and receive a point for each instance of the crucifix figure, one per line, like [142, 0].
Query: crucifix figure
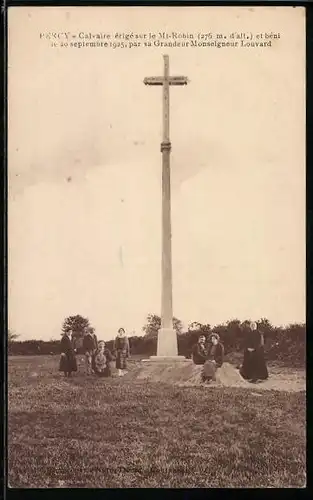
[167, 338]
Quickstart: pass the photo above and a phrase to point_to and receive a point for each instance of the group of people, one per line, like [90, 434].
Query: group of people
[207, 352]
[210, 354]
[98, 357]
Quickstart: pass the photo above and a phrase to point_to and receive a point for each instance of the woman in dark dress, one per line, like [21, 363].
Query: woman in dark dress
[199, 351]
[95, 339]
[122, 351]
[254, 365]
[215, 358]
[68, 362]
[103, 357]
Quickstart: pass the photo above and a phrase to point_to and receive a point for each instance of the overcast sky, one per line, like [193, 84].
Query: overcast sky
[85, 172]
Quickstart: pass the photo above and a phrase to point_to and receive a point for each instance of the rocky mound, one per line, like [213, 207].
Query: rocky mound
[189, 374]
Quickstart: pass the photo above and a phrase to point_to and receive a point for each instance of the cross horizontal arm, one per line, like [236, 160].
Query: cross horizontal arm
[159, 80]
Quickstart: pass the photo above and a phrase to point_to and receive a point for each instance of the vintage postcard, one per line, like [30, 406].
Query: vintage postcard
[156, 234]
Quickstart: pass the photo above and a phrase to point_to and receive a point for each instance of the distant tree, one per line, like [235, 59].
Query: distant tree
[194, 326]
[233, 335]
[199, 328]
[178, 326]
[12, 336]
[264, 323]
[234, 323]
[297, 332]
[267, 329]
[76, 324]
[206, 329]
[245, 325]
[154, 324]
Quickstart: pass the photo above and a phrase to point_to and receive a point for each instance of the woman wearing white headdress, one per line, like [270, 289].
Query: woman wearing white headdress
[254, 366]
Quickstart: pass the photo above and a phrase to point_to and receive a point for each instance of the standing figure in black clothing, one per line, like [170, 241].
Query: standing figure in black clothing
[122, 351]
[94, 336]
[89, 346]
[68, 362]
[254, 365]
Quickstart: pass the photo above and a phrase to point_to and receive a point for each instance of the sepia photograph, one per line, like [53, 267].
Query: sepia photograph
[156, 247]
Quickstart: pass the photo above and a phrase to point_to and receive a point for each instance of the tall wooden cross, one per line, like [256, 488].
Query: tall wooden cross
[167, 339]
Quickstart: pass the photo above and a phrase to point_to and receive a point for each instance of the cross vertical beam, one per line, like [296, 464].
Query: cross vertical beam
[166, 100]
[167, 286]
[167, 338]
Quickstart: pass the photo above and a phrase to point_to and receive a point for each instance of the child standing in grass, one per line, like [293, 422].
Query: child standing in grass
[68, 362]
[102, 361]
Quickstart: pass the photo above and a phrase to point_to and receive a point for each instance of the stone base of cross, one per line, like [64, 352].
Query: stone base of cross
[167, 345]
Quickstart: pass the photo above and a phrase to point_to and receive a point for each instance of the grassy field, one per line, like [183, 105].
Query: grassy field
[86, 432]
